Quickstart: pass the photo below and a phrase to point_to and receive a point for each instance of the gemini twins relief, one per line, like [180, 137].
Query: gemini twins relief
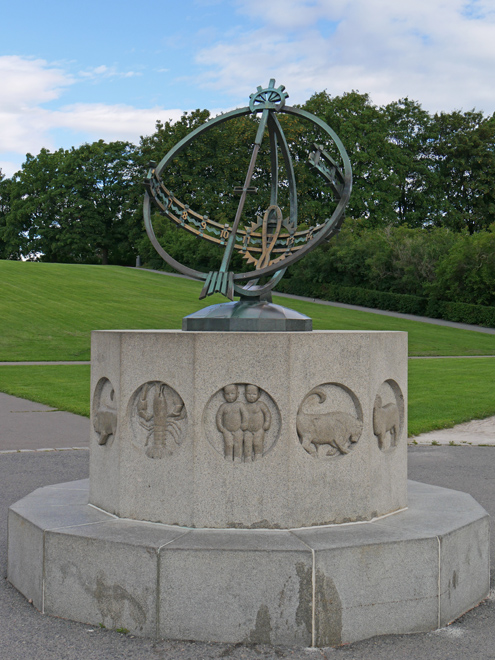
[158, 419]
[329, 421]
[388, 415]
[246, 419]
[104, 412]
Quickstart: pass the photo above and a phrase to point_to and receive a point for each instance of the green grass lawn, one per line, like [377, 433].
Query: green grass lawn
[441, 392]
[47, 312]
[62, 387]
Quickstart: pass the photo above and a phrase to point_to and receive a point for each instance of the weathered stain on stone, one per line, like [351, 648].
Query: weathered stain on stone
[262, 524]
[112, 599]
[261, 633]
[340, 521]
[454, 580]
[328, 612]
[304, 612]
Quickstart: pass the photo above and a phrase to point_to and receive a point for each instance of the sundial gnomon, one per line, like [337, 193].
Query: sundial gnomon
[270, 241]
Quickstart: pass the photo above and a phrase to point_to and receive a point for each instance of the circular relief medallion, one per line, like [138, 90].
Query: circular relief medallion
[329, 421]
[242, 422]
[388, 415]
[158, 419]
[104, 412]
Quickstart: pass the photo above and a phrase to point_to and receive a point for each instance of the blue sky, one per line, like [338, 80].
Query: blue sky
[74, 72]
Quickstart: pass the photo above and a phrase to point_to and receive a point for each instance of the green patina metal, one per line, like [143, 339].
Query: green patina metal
[273, 242]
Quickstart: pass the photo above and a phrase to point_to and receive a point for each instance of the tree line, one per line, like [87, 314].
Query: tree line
[420, 219]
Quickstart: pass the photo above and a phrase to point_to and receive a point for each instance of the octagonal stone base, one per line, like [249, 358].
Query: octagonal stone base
[412, 571]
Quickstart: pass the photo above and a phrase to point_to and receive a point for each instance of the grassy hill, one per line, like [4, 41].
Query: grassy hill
[47, 312]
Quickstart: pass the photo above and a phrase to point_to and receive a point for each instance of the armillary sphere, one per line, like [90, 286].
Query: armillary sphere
[272, 242]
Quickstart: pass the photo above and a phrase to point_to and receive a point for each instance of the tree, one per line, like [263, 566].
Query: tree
[4, 207]
[411, 166]
[362, 127]
[74, 206]
[464, 150]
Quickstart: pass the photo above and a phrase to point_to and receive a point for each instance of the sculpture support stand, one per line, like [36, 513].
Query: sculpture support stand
[250, 487]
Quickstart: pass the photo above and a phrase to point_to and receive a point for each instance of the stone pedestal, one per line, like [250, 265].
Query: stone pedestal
[304, 452]
[250, 487]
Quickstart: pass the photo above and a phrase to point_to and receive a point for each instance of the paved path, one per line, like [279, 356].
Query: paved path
[25, 633]
[29, 426]
[476, 432]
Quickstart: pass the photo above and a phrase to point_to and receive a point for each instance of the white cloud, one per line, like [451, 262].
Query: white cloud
[103, 71]
[25, 81]
[438, 52]
[27, 126]
[111, 122]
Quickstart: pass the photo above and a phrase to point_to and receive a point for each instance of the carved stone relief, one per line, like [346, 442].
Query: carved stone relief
[329, 421]
[158, 419]
[104, 412]
[388, 415]
[242, 422]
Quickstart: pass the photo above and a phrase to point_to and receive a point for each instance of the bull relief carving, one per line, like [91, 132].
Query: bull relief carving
[388, 415]
[329, 421]
[158, 419]
[104, 412]
[247, 422]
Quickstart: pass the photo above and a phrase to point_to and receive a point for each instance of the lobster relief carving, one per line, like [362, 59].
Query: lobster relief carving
[160, 412]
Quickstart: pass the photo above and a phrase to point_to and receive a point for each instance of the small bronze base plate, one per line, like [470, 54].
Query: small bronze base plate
[245, 316]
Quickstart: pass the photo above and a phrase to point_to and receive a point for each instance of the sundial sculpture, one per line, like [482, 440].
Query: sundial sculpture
[239, 460]
[271, 242]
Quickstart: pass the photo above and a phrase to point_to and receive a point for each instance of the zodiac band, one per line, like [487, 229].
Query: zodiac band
[242, 421]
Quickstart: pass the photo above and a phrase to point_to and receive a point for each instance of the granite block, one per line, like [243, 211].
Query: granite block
[25, 557]
[376, 589]
[105, 573]
[104, 459]
[236, 586]
[464, 577]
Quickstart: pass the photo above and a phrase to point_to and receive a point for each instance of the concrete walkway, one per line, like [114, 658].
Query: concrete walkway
[479, 432]
[28, 426]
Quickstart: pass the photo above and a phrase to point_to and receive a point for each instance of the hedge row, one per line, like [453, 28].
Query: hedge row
[394, 302]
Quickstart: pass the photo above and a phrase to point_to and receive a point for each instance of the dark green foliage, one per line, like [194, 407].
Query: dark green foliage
[394, 302]
[427, 271]
[4, 208]
[464, 152]
[73, 206]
